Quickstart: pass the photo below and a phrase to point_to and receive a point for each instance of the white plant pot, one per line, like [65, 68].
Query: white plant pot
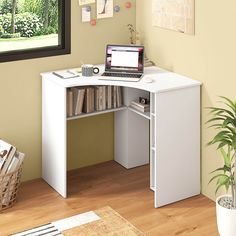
[226, 219]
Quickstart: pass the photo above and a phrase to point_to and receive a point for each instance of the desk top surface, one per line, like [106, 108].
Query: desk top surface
[162, 80]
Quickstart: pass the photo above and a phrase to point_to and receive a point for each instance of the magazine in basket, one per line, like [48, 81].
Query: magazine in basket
[10, 158]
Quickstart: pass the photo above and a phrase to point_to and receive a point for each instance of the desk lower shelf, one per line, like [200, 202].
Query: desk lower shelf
[83, 115]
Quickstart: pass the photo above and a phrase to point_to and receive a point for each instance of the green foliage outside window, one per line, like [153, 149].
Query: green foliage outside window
[28, 17]
[26, 24]
[6, 7]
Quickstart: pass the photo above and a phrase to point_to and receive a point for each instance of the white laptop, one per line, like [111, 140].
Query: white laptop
[124, 63]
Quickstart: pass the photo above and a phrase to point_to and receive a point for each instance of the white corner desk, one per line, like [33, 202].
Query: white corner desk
[168, 137]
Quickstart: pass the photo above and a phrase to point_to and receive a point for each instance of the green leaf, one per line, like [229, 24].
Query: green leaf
[215, 112]
[233, 142]
[226, 157]
[221, 137]
[229, 121]
[232, 158]
[217, 176]
[222, 144]
[223, 132]
[232, 130]
[215, 119]
[230, 103]
[223, 181]
[218, 169]
[219, 111]
[215, 125]
[224, 169]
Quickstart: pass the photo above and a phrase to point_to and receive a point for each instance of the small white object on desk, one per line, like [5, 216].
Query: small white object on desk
[147, 80]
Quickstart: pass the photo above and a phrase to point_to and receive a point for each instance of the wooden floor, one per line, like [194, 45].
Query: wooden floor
[109, 184]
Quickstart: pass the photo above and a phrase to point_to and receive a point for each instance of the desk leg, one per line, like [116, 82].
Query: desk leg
[54, 136]
[177, 145]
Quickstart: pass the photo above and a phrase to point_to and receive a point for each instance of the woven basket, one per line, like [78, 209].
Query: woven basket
[9, 185]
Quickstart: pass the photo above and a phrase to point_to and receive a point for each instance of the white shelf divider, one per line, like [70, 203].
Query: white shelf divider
[144, 114]
[83, 115]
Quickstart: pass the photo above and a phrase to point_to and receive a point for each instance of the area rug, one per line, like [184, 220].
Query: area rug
[101, 222]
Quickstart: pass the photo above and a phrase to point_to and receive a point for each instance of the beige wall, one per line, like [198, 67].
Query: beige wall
[208, 56]
[20, 95]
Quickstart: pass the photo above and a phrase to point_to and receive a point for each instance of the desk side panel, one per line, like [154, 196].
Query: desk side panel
[138, 140]
[121, 138]
[178, 145]
[131, 133]
[54, 136]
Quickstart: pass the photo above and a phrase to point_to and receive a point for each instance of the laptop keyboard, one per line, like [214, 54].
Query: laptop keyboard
[122, 75]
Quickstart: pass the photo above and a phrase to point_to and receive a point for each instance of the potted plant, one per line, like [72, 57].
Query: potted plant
[134, 35]
[223, 120]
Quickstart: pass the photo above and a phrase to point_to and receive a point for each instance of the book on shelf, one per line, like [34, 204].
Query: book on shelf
[69, 102]
[88, 105]
[97, 98]
[80, 102]
[103, 97]
[78, 99]
[119, 96]
[91, 98]
[140, 109]
[75, 92]
[109, 96]
[115, 96]
[140, 106]
[100, 98]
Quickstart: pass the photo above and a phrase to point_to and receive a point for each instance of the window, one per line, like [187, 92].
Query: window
[34, 28]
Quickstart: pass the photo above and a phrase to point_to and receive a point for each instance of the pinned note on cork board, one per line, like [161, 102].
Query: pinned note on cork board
[104, 8]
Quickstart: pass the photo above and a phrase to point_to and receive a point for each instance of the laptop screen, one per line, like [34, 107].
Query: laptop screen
[120, 58]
